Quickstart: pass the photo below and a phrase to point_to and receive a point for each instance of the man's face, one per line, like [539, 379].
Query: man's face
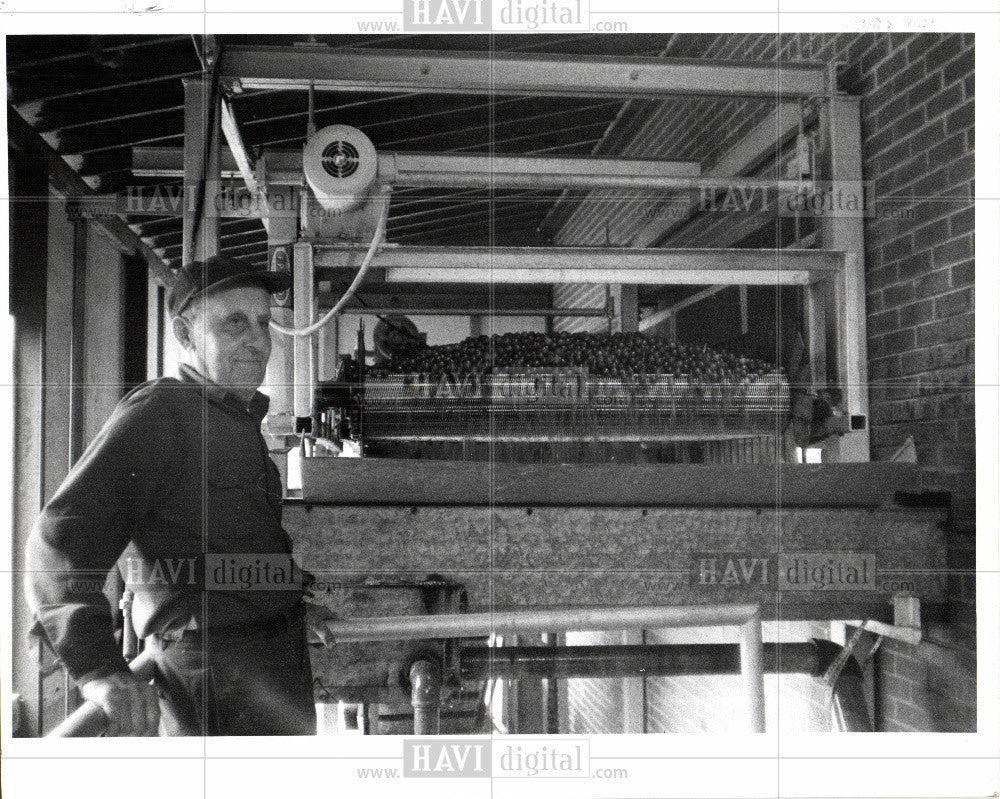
[228, 337]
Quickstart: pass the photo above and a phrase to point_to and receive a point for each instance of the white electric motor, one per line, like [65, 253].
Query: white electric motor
[340, 166]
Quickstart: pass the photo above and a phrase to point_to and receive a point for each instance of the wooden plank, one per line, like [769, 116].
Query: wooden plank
[376, 481]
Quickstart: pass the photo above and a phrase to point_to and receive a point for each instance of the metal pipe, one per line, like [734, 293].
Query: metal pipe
[752, 669]
[557, 663]
[425, 696]
[559, 180]
[387, 309]
[522, 621]
[89, 720]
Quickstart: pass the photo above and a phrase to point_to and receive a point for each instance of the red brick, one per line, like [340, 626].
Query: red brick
[882, 276]
[929, 235]
[963, 274]
[930, 186]
[927, 137]
[883, 322]
[962, 221]
[929, 211]
[915, 362]
[920, 44]
[933, 283]
[952, 329]
[948, 49]
[897, 687]
[924, 90]
[950, 148]
[963, 117]
[916, 313]
[873, 56]
[953, 251]
[895, 155]
[964, 65]
[909, 123]
[944, 101]
[970, 87]
[900, 341]
[909, 76]
[898, 248]
[963, 169]
[897, 295]
[955, 303]
[910, 170]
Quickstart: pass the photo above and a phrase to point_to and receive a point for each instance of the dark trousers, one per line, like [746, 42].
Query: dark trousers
[252, 684]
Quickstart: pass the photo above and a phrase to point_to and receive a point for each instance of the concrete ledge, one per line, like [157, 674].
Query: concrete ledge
[377, 481]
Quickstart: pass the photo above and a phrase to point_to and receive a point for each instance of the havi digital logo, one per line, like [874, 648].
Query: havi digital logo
[453, 15]
[446, 757]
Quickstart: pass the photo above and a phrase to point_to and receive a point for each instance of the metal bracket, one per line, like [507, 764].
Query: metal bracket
[906, 626]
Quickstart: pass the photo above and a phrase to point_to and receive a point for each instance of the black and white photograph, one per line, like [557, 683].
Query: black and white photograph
[486, 398]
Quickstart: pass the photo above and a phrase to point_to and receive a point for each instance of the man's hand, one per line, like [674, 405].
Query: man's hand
[132, 705]
[316, 617]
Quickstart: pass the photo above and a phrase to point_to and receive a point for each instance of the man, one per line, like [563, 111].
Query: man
[178, 488]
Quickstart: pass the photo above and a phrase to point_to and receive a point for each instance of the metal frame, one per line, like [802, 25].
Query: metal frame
[451, 170]
[835, 303]
[519, 622]
[418, 264]
[385, 70]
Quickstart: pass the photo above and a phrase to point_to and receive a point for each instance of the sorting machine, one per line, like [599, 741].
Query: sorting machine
[451, 570]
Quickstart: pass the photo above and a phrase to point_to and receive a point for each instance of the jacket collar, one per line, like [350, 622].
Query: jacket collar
[257, 407]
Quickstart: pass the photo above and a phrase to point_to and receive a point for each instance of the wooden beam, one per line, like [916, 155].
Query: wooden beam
[74, 187]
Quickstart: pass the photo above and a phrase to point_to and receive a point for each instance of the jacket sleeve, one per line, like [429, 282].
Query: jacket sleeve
[85, 527]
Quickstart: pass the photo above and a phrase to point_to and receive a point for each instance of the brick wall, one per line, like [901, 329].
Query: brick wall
[918, 134]
[918, 147]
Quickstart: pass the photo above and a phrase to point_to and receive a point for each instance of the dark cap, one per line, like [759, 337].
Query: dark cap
[220, 272]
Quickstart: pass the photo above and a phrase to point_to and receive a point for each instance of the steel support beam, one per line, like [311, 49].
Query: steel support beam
[846, 314]
[589, 265]
[364, 310]
[452, 170]
[201, 172]
[600, 661]
[664, 314]
[231, 130]
[513, 73]
[530, 172]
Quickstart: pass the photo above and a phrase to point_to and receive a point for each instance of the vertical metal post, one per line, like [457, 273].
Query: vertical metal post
[201, 171]
[303, 296]
[550, 693]
[843, 229]
[752, 670]
[280, 379]
[633, 692]
[629, 310]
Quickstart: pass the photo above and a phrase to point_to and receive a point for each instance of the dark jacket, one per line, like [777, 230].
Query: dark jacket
[178, 488]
